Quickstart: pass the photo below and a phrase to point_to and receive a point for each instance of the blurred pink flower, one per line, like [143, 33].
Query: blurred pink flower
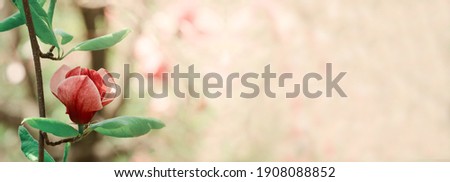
[150, 56]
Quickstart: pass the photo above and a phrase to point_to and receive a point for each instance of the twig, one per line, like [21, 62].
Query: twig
[49, 55]
[66, 140]
[37, 66]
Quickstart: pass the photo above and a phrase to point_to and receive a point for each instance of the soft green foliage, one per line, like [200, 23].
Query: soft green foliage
[40, 21]
[30, 148]
[51, 11]
[42, 2]
[102, 42]
[11, 22]
[127, 126]
[15, 20]
[65, 37]
[66, 152]
[52, 126]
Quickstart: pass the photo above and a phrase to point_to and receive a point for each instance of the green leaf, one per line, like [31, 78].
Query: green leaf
[30, 147]
[66, 152]
[40, 21]
[11, 22]
[52, 126]
[126, 126]
[51, 11]
[102, 42]
[15, 20]
[42, 2]
[65, 37]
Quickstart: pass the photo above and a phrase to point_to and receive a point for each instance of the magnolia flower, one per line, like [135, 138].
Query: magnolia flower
[83, 91]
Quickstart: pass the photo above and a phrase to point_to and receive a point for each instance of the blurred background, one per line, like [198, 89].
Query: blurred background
[396, 53]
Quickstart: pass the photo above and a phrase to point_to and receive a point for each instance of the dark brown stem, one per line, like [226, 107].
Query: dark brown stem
[49, 54]
[37, 67]
[66, 140]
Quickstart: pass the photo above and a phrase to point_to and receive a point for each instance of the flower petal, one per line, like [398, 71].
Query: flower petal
[80, 96]
[98, 81]
[110, 87]
[58, 77]
[77, 71]
[92, 74]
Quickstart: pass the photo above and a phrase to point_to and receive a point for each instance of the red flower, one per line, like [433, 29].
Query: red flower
[82, 91]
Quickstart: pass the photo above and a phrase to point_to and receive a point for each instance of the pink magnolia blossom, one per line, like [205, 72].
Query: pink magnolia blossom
[83, 91]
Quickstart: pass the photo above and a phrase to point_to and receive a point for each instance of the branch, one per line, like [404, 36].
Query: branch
[49, 54]
[66, 140]
[37, 66]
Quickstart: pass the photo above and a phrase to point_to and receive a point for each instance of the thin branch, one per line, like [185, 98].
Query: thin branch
[66, 140]
[37, 66]
[49, 55]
